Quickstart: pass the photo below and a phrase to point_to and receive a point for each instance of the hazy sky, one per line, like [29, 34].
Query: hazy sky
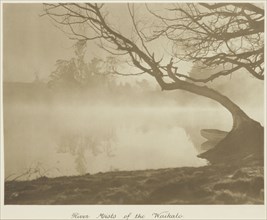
[32, 44]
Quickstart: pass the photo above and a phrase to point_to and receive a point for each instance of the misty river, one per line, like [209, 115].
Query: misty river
[62, 138]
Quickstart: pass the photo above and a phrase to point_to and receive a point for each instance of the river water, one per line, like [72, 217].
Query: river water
[60, 139]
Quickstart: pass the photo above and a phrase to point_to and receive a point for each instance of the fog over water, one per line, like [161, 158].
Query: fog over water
[77, 139]
[58, 133]
[73, 140]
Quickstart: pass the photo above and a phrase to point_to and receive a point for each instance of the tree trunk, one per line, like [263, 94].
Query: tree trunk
[245, 141]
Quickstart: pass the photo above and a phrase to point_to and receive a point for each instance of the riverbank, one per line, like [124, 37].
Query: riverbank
[220, 184]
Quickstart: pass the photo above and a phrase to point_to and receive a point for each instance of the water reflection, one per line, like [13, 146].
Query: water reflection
[72, 140]
[79, 145]
[130, 148]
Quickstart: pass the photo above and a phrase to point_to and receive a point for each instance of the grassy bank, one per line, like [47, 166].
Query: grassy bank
[218, 184]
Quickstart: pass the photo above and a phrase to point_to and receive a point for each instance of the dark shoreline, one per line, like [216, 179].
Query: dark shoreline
[220, 184]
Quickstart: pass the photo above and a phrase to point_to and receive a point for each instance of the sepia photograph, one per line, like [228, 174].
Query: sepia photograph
[133, 103]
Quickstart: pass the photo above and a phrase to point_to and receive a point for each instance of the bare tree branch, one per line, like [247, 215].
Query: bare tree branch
[216, 34]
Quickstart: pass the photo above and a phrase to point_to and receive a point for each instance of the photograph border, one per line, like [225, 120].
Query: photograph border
[122, 211]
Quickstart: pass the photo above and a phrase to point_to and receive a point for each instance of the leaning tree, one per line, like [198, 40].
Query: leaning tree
[225, 35]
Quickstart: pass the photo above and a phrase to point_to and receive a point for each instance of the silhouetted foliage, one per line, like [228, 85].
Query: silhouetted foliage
[76, 72]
